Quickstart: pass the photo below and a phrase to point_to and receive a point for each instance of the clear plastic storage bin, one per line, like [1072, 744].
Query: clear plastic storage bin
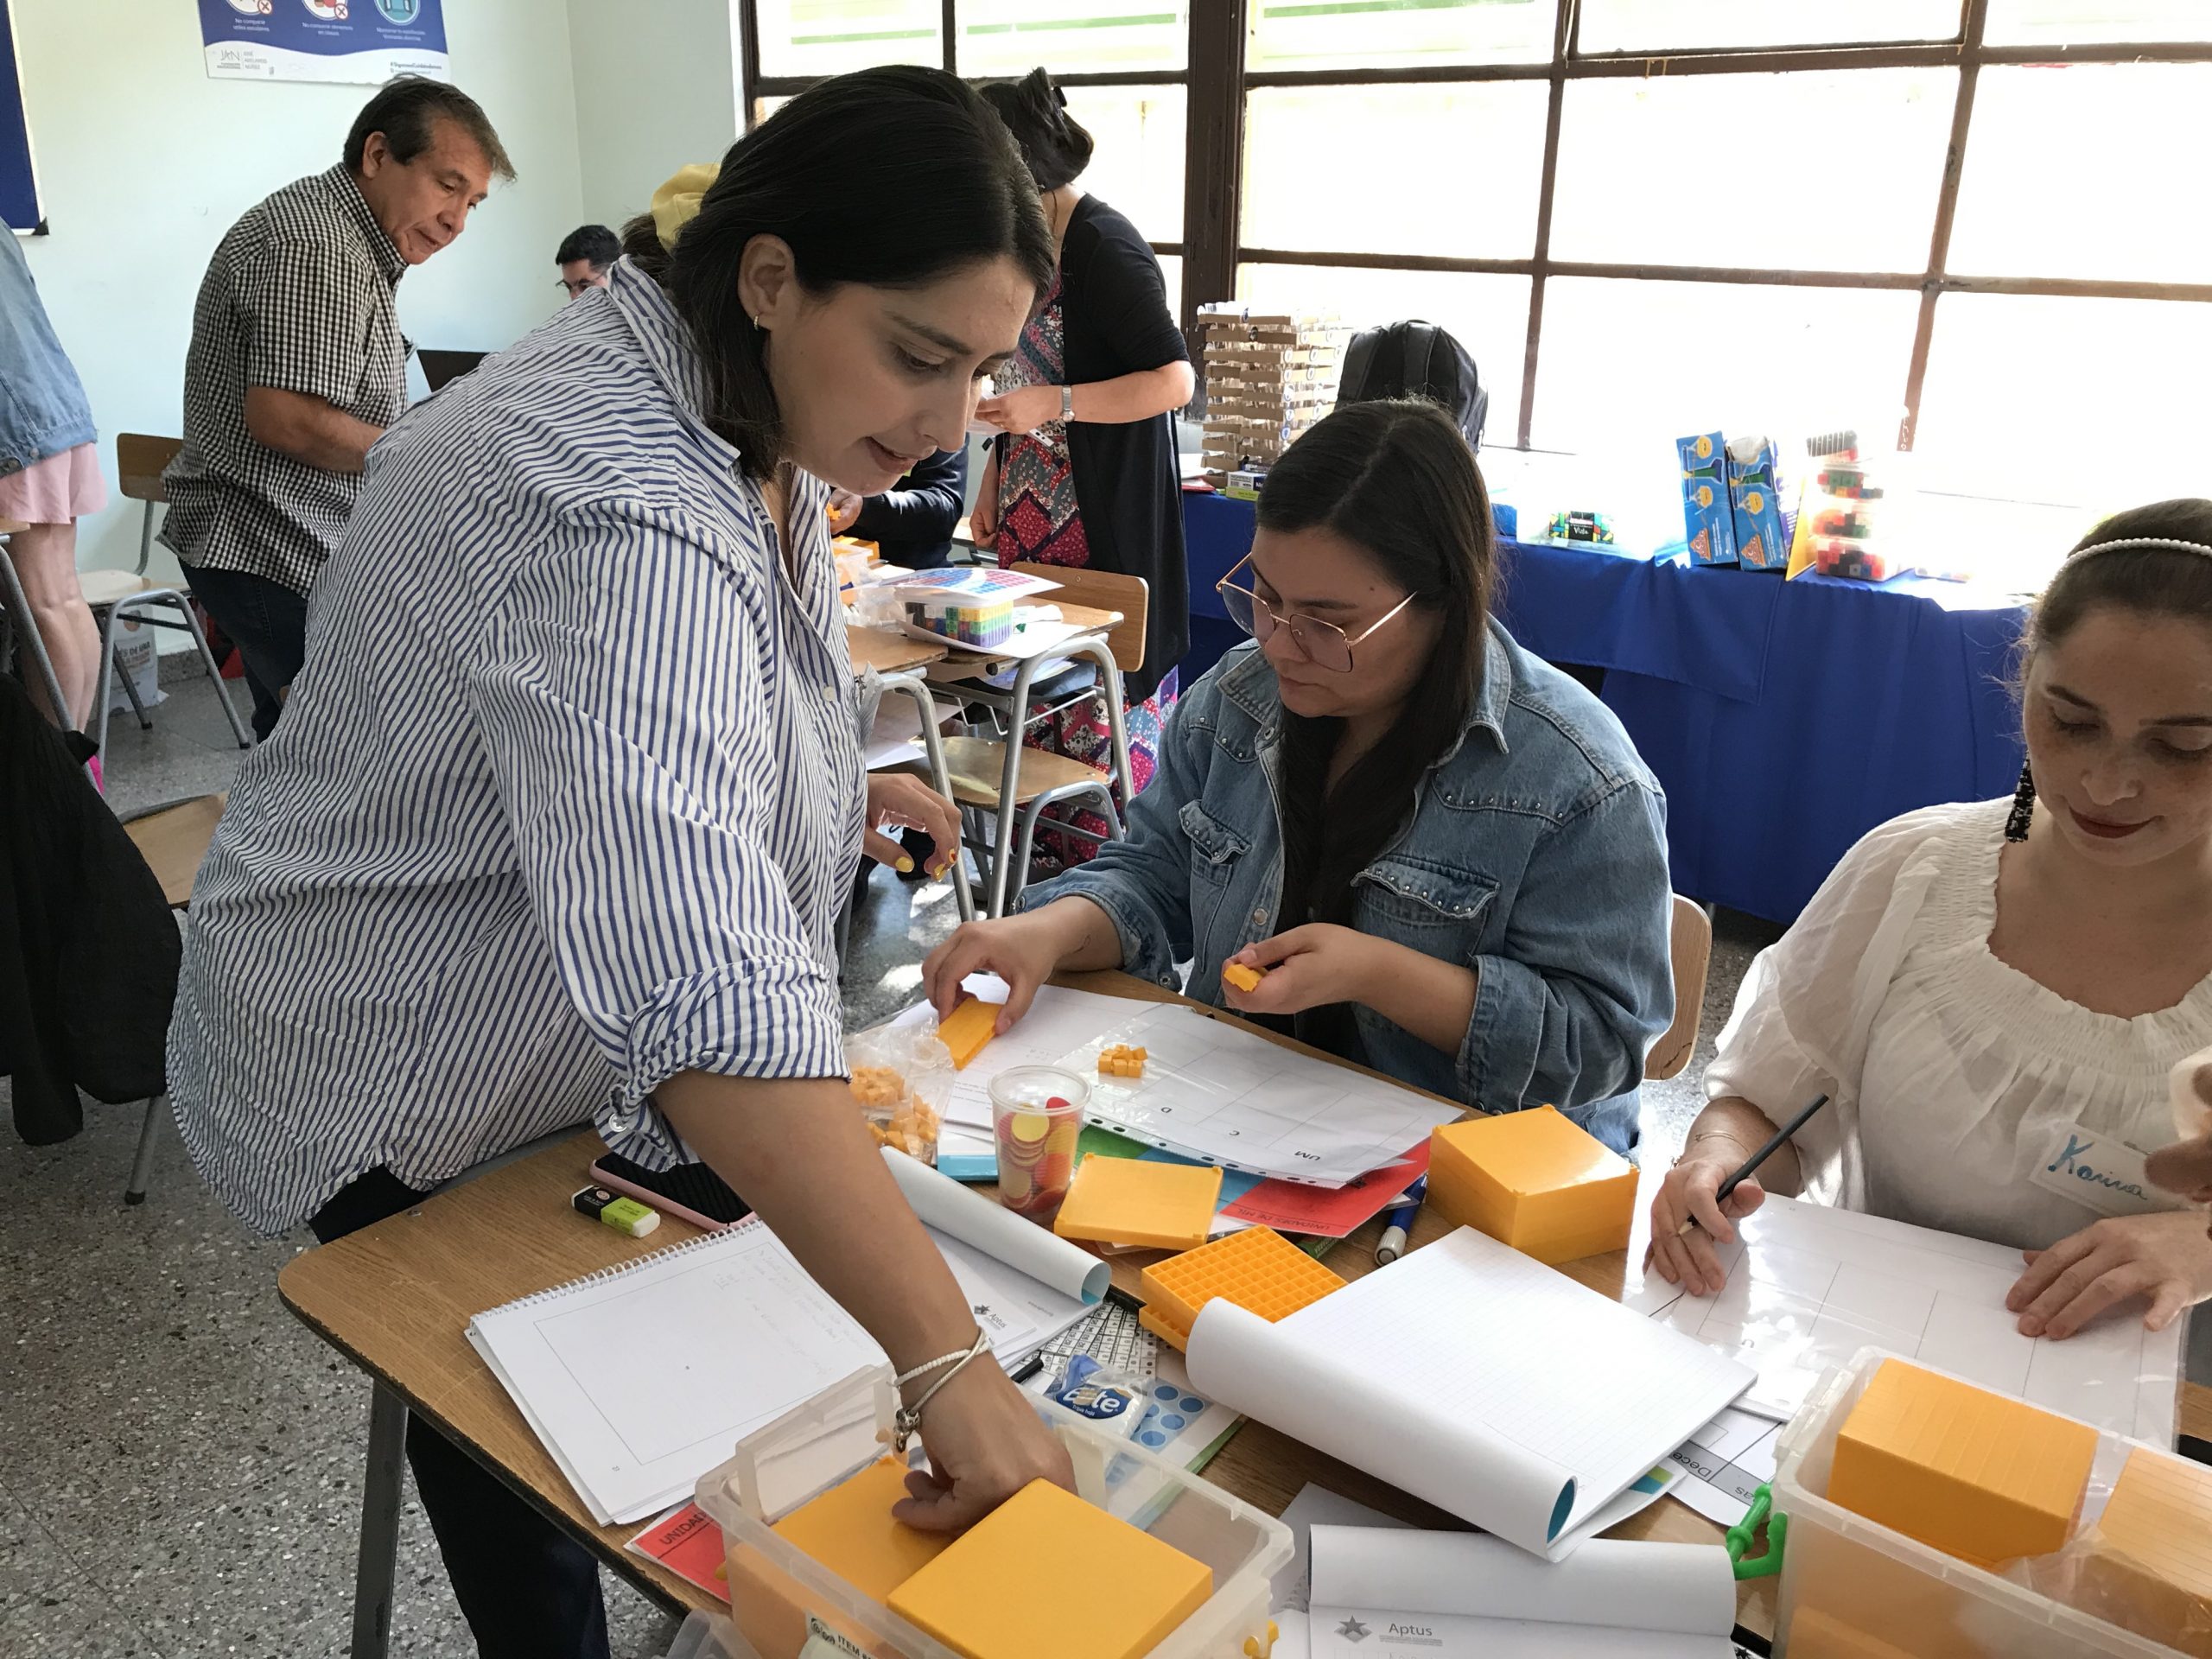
[1853, 1589]
[787, 1605]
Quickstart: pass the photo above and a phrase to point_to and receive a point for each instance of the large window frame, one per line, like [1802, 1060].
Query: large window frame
[1216, 80]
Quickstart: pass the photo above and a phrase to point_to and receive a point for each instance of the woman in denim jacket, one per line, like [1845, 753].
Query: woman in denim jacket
[1446, 856]
[49, 478]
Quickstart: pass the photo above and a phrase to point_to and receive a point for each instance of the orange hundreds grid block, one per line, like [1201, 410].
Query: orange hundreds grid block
[1047, 1573]
[1120, 1061]
[1964, 1470]
[966, 1028]
[2148, 1566]
[1534, 1180]
[1258, 1269]
[1130, 1201]
[1243, 978]
[850, 1531]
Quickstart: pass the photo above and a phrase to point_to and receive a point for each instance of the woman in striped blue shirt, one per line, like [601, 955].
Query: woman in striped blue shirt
[567, 795]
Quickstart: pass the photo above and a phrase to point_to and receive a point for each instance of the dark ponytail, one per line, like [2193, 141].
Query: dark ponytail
[1054, 142]
[1396, 478]
[912, 154]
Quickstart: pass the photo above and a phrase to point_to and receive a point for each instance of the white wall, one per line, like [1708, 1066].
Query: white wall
[656, 90]
[143, 163]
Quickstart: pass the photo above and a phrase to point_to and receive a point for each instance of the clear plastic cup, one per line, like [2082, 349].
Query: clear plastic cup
[1036, 1119]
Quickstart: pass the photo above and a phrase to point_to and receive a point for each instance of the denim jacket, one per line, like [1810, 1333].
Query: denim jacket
[1535, 855]
[42, 407]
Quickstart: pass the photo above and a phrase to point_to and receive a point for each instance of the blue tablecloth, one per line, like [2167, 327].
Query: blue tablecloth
[1784, 718]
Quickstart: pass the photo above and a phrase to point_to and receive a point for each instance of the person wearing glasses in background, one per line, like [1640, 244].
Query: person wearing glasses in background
[585, 257]
[1444, 854]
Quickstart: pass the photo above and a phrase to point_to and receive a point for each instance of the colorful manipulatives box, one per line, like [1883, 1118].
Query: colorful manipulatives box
[1534, 1180]
[966, 1028]
[2147, 1567]
[850, 1531]
[1134, 1201]
[1971, 1473]
[1708, 522]
[1258, 1269]
[1120, 1061]
[1754, 502]
[1243, 978]
[1047, 1573]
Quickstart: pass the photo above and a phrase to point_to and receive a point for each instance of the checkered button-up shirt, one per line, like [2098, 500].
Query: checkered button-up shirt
[298, 298]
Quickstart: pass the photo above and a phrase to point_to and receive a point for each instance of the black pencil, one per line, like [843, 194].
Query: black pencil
[1759, 1157]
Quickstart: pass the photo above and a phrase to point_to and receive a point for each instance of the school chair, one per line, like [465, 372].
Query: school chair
[173, 840]
[13, 605]
[140, 459]
[1689, 945]
[1000, 776]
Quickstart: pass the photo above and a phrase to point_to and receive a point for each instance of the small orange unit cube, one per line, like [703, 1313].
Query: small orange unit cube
[1120, 1061]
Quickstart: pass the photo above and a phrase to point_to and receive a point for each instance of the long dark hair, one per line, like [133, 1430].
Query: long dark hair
[1054, 142]
[911, 157]
[1396, 478]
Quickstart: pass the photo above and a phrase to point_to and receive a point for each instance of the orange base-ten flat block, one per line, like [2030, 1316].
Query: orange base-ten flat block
[770, 1609]
[1817, 1635]
[1258, 1269]
[850, 1531]
[1047, 1573]
[1971, 1473]
[1534, 1180]
[1243, 978]
[2147, 1567]
[1130, 1201]
[966, 1028]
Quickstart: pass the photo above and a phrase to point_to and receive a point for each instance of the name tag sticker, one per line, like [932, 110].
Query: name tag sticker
[2100, 1173]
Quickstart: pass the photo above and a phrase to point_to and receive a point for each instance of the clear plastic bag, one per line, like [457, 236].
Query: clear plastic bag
[901, 1078]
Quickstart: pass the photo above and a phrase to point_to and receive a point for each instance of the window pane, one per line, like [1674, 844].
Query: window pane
[2065, 399]
[2063, 23]
[1170, 272]
[1838, 172]
[1324, 173]
[1487, 314]
[764, 107]
[1688, 25]
[2071, 171]
[1631, 365]
[1138, 164]
[1011, 37]
[828, 37]
[1392, 34]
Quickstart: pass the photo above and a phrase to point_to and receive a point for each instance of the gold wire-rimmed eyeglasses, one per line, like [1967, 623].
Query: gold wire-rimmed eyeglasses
[1321, 643]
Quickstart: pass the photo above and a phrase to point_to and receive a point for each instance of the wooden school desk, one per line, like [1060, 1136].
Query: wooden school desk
[395, 1299]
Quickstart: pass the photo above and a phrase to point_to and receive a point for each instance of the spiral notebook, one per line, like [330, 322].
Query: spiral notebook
[641, 1378]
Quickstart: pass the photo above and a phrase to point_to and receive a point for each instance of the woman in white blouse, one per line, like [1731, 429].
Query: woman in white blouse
[1994, 995]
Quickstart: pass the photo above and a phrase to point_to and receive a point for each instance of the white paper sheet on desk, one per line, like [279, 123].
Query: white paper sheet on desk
[1479, 1379]
[1058, 1020]
[1809, 1286]
[1219, 1093]
[1443, 1595]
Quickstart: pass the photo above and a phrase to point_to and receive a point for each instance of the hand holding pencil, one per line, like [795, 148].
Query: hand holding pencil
[1710, 1188]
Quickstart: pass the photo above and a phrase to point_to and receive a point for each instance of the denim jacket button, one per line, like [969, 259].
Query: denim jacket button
[1259, 918]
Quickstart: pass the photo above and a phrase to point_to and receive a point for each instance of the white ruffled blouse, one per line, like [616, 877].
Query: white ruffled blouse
[1952, 1075]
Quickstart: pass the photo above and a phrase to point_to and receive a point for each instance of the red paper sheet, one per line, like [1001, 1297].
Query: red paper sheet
[1325, 1212]
[689, 1544]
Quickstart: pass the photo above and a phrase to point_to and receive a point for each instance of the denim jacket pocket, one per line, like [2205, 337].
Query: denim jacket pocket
[1418, 901]
[1215, 845]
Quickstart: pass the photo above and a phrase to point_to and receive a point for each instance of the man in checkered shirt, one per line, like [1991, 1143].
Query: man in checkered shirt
[298, 364]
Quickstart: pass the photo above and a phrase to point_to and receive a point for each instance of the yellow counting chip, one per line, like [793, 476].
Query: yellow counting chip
[1130, 1201]
[1048, 1573]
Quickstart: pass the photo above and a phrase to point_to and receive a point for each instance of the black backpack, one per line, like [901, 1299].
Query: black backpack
[1415, 359]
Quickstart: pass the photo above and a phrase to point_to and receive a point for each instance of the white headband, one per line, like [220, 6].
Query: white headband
[2144, 540]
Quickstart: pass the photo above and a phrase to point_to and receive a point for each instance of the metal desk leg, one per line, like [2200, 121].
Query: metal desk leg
[26, 631]
[1010, 781]
[914, 686]
[380, 1488]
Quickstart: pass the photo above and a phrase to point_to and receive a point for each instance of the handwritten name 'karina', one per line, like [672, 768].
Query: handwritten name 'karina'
[2070, 1163]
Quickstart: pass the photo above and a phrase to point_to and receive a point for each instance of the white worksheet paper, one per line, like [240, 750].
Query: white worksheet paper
[1809, 1286]
[1460, 1595]
[1316, 1506]
[1723, 1465]
[1223, 1095]
[1472, 1377]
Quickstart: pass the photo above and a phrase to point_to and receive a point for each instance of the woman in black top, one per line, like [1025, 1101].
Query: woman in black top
[1084, 472]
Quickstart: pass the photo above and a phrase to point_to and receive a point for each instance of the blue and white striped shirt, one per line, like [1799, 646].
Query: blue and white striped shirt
[563, 805]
